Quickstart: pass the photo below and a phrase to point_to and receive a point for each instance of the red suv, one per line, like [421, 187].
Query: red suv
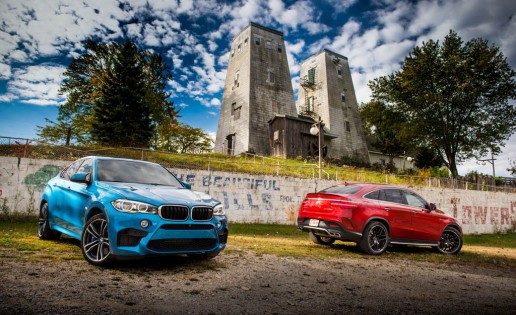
[375, 216]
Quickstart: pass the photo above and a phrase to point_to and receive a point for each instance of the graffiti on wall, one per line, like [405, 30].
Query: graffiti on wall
[39, 179]
[244, 193]
[482, 215]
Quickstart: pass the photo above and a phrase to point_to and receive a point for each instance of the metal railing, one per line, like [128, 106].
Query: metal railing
[245, 163]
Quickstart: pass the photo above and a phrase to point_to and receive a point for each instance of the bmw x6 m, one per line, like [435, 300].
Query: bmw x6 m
[128, 208]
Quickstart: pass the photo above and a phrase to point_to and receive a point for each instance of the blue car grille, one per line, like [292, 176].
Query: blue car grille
[202, 213]
[178, 213]
[182, 244]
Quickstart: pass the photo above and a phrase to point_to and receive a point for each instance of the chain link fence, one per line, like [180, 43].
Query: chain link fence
[245, 163]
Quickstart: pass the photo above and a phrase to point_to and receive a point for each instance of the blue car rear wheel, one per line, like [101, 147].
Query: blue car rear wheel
[95, 244]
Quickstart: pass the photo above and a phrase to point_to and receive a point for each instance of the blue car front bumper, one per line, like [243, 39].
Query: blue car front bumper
[135, 234]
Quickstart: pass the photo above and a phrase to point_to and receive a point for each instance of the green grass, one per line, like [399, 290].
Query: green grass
[218, 162]
[20, 236]
[18, 240]
[507, 240]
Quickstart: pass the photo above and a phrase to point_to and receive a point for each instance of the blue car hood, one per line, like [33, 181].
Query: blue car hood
[158, 194]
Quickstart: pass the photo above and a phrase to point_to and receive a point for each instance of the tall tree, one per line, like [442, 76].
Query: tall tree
[387, 127]
[455, 95]
[87, 78]
[120, 114]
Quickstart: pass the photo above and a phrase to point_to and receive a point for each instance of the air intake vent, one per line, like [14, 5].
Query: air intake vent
[202, 213]
[178, 213]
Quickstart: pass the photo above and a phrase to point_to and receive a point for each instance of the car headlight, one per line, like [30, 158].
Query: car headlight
[218, 210]
[130, 206]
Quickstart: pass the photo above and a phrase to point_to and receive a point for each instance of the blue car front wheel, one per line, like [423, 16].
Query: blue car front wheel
[95, 241]
[44, 230]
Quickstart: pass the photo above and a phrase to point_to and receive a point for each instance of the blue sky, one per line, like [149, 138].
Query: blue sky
[38, 39]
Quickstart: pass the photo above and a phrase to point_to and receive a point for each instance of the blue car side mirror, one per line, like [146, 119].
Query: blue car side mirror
[84, 178]
[186, 185]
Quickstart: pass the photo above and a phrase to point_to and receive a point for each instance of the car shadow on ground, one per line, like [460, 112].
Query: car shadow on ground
[174, 263]
[398, 249]
[171, 264]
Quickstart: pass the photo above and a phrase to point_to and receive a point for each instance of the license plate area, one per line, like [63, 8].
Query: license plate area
[313, 222]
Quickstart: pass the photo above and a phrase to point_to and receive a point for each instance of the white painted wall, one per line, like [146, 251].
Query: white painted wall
[263, 198]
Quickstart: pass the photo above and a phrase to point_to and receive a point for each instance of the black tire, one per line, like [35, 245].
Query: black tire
[44, 230]
[95, 241]
[321, 240]
[450, 242]
[375, 238]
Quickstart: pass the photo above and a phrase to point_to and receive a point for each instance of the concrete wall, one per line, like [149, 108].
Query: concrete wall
[259, 198]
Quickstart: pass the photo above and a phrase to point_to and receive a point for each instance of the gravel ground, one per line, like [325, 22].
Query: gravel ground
[240, 282]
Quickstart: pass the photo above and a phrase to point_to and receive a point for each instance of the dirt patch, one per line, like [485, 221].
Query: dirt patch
[240, 282]
[492, 251]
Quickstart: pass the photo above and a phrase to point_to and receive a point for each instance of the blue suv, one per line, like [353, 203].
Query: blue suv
[125, 208]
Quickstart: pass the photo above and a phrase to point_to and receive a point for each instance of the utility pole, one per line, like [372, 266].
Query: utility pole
[491, 160]
[318, 129]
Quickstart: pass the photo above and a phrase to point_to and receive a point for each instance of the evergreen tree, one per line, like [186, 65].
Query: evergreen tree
[92, 83]
[121, 116]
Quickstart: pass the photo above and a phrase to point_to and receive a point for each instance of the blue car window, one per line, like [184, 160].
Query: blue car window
[85, 166]
[134, 172]
[71, 169]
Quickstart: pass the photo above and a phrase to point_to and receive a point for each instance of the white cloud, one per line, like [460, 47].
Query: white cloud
[133, 29]
[42, 102]
[300, 14]
[38, 85]
[5, 71]
[223, 59]
[340, 5]
[295, 48]
[212, 113]
[18, 55]
[215, 102]
[5, 98]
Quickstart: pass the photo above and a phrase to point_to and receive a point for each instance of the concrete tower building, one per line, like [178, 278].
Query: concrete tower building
[257, 87]
[327, 92]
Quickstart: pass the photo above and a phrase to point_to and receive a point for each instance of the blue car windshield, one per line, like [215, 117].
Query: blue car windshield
[134, 172]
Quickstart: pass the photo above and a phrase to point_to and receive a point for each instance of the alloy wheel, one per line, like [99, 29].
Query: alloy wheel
[95, 240]
[450, 242]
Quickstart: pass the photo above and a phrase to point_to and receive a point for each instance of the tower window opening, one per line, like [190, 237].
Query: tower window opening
[339, 71]
[271, 78]
[237, 76]
[310, 104]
